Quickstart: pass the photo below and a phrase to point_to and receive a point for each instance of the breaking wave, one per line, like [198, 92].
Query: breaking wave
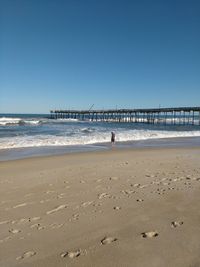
[18, 121]
[90, 138]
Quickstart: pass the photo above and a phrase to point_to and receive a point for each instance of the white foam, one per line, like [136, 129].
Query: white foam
[9, 121]
[5, 121]
[65, 120]
[132, 135]
[91, 138]
[32, 122]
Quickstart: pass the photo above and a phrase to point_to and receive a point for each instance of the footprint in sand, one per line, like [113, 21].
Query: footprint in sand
[135, 185]
[108, 240]
[103, 195]
[60, 196]
[75, 217]
[86, 204]
[117, 208]
[128, 192]
[20, 205]
[150, 175]
[149, 234]
[14, 231]
[165, 183]
[34, 219]
[56, 209]
[71, 254]
[38, 226]
[56, 225]
[113, 178]
[27, 254]
[176, 224]
[139, 200]
[143, 186]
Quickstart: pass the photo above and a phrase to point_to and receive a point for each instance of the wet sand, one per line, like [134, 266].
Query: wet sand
[128, 207]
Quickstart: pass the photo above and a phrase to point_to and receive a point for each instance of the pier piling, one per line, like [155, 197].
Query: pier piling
[174, 116]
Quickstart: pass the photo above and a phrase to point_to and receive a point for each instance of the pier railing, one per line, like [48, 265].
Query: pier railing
[177, 115]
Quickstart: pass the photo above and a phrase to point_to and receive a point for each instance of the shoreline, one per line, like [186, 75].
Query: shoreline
[111, 151]
[99, 206]
[32, 152]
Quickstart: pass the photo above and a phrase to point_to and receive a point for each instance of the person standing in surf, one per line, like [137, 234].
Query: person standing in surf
[112, 138]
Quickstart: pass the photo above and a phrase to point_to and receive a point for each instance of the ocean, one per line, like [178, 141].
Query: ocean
[23, 135]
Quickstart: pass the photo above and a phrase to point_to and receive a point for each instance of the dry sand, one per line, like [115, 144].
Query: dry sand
[134, 208]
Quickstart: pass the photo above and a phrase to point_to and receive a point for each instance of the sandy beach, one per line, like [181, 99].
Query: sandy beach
[128, 207]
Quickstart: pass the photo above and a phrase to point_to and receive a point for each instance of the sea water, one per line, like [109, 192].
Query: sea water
[28, 132]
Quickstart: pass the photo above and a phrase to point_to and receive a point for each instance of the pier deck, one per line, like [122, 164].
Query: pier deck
[177, 115]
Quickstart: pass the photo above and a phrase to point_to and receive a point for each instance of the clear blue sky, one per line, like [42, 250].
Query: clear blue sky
[75, 53]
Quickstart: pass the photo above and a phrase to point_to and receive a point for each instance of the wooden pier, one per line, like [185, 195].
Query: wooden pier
[179, 116]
